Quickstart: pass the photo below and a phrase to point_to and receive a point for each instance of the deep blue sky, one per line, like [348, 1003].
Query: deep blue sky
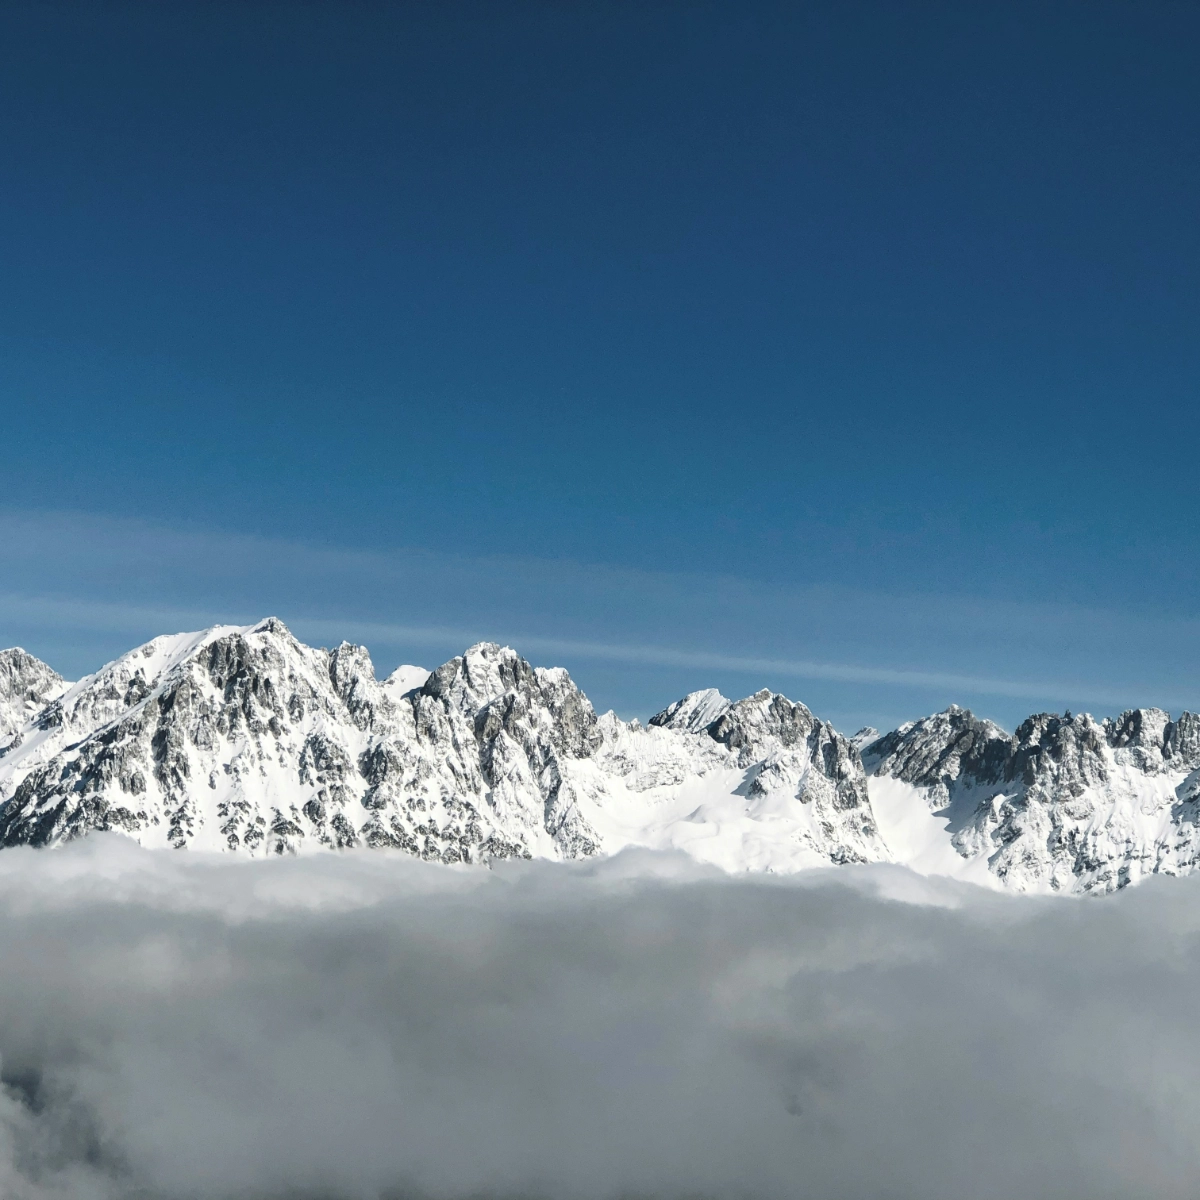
[853, 334]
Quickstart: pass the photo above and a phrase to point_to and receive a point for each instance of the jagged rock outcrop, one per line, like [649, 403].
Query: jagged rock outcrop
[27, 685]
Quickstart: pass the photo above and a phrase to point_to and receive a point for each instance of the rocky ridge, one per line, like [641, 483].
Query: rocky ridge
[242, 739]
[246, 740]
[1066, 803]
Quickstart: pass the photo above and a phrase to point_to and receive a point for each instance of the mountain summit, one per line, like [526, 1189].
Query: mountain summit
[244, 740]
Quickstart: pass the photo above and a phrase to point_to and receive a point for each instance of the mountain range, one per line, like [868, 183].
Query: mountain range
[244, 740]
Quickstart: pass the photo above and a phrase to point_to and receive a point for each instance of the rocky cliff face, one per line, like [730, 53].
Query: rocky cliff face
[244, 740]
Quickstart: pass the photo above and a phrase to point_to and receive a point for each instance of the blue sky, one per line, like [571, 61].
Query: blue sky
[848, 349]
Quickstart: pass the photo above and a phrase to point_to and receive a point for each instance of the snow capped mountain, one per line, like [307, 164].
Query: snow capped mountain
[243, 739]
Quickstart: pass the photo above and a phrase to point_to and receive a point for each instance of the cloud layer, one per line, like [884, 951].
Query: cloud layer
[368, 1026]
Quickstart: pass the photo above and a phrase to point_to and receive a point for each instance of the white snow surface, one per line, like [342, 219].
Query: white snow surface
[404, 679]
[243, 740]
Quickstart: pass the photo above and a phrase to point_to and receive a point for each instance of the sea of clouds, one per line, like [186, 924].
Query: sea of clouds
[366, 1025]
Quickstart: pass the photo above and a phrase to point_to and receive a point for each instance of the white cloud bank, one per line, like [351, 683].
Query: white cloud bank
[367, 1025]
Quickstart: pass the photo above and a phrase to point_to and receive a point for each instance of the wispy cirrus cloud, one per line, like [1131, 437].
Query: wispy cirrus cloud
[82, 588]
[707, 660]
[115, 618]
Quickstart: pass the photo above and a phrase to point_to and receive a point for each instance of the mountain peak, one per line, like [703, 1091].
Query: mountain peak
[694, 712]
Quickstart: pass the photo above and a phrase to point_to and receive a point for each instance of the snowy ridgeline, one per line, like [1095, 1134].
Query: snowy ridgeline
[244, 740]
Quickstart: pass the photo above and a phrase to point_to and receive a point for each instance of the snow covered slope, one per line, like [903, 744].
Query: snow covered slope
[245, 740]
